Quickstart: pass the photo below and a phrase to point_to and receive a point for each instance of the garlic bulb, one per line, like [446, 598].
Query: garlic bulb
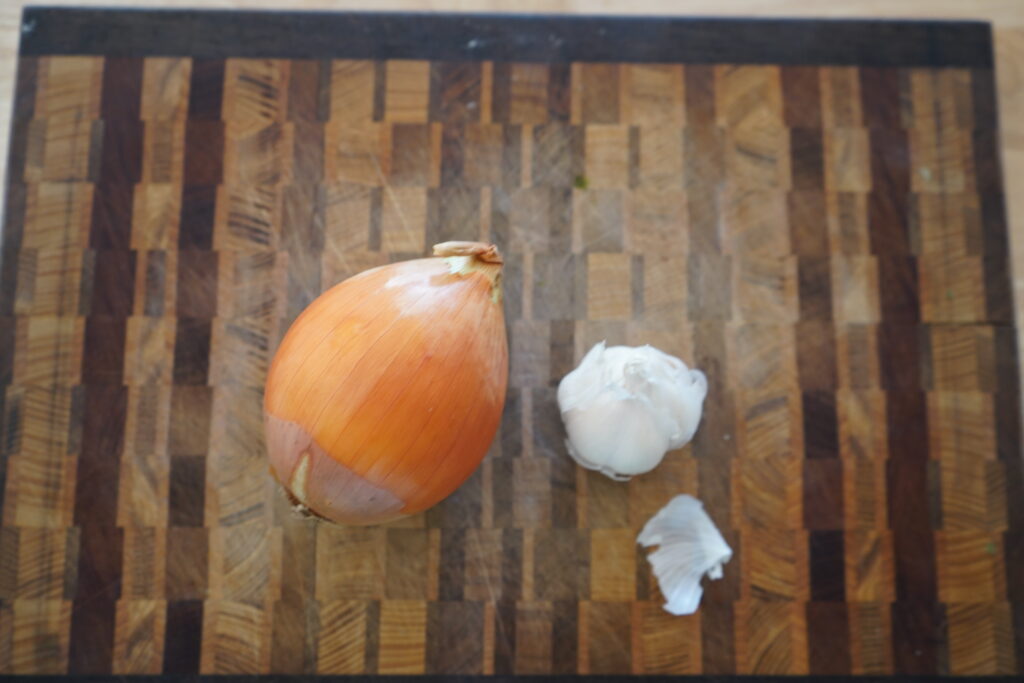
[625, 407]
[691, 546]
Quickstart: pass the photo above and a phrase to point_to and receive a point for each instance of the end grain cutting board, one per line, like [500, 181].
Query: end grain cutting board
[810, 212]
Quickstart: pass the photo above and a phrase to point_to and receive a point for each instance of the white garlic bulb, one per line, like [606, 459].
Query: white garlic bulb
[625, 407]
[691, 546]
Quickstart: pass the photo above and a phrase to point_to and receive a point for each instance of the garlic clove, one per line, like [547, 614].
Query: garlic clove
[690, 547]
[586, 380]
[623, 431]
[625, 407]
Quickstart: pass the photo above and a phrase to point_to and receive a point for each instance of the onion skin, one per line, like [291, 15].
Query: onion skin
[386, 392]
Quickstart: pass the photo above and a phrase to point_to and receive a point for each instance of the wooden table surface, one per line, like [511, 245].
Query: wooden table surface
[823, 234]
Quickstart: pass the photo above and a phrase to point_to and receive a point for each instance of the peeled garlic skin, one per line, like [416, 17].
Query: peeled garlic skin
[386, 392]
[690, 548]
[625, 407]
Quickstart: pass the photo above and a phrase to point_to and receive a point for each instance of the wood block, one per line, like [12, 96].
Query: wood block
[871, 632]
[403, 220]
[45, 490]
[349, 209]
[237, 640]
[612, 565]
[556, 549]
[415, 155]
[239, 492]
[528, 94]
[606, 150]
[163, 150]
[557, 155]
[143, 572]
[250, 293]
[259, 157]
[39, 640]
[754, 223]
[187, 563]
[608, 293]
[971, 441]
[47, 419]
[244, 567]
[352, 88]
[937, 142]
[979, 634]
[533, 634]
[165, 83]
[847, 215]
[749, 106]
[847, 165]
[148, 361]
[656, 222]
[407, 558]
[58, 274]
[764, 490]
[157, 208]
[41, 564]
[357, 153]
[597, 221]
[407, 91]
[529, 354]
[959, 357]
[144, 488]
[139, 639]
[608, 634]
[766, 632]
[57, 216]
[840, 97]
[654, 94]
[967, 564]
[952, 288]
[595, 93]
[660, 162]
[869, 569]
[765, 289]
[342, 645]
[403, 626]
[68, 83]
[482, 160]
[483, 572]
[255, 93]
[69, 137]
[532, 503]
[607, 503]
[350, 563]
[668, 644]
[854, 287]
[772, 563]
[454, 637]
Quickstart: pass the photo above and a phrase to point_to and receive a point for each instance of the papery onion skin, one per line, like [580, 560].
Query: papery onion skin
[386, 392]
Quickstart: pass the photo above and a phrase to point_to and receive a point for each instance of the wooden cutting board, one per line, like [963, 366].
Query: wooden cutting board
[809, 212]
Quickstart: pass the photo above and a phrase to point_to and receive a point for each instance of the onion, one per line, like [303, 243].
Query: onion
[386, 392]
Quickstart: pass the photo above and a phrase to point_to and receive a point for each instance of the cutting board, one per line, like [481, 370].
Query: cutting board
[809, 212]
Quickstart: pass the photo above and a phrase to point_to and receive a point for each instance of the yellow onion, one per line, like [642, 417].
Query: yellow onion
[386, 392]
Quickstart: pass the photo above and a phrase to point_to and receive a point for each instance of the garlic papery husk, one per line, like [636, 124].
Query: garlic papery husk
[690, 547]
[624, 407]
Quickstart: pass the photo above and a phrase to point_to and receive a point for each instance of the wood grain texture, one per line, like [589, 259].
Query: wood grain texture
[819, 240]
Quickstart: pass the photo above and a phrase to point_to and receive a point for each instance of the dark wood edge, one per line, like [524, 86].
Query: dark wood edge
[502, 37]
[436, 678]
